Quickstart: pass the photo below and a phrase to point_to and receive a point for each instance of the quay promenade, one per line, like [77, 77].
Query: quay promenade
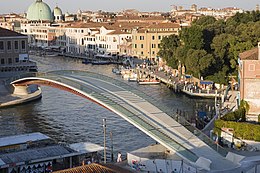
[180, 85]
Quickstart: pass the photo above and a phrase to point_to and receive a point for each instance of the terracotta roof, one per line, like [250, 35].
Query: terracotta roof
[96, 168]
[9, 33]
[249, 55]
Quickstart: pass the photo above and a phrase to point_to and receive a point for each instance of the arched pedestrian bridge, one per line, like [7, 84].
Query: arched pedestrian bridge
[141, 111]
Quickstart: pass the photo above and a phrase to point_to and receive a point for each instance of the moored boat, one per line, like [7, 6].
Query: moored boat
[86, 61]
[148, 81]
[100, 62]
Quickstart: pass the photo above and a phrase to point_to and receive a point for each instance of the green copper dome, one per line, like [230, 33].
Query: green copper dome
[57, 11]
[39, 11]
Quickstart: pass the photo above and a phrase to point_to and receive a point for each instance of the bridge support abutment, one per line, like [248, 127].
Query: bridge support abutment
[24, 89]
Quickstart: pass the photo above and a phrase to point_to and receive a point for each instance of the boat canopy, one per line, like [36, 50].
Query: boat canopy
[188, 76]
[205, 82]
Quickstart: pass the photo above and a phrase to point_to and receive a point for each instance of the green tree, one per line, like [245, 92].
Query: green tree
[198, 62]
[193, 37]
[205, 21]
[220, 76]
[168, 46]
[181, 53]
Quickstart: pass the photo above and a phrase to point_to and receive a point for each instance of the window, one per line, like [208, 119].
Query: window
[159, 45]
[9, 60]
[135, 45]
[251, 67]
[141, 37]
[142, 45]
[23, 44]
[153, 37]
[142, 53]
[153, 52]
[16, 45]
[159, 37]
[1, 45]
[2, 61]
[16, 59]
[9, 46]
[153, 45]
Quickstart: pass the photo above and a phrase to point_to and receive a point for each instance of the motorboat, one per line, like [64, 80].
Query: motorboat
[86, 61]
[116, 71]
[148, 81]
[100, 62]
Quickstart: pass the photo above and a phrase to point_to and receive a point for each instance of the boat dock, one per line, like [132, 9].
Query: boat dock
[180, 85]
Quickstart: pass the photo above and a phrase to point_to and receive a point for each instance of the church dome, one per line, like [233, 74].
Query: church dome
[39, 11]
[67, 14]
[57, 11]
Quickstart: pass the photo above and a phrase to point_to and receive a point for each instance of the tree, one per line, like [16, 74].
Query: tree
[193, 37]
[168, 46]
[205, 21]
[198, 62]
[181, 53]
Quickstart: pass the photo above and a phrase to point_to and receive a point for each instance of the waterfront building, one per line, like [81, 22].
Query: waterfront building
[110, 38]
[76, 37]
[40, 27]
[146, 40]
[14, 57]
[40, 34]
[90, 40]
[249, 80]
[36, 152]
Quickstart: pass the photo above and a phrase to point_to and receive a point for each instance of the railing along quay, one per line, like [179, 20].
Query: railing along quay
[179, 85]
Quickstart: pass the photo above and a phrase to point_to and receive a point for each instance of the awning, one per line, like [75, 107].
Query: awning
[204, 82]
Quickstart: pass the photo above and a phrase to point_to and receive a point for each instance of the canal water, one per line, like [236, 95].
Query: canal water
[69, 118]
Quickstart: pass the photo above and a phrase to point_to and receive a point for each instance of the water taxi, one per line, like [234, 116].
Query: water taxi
[148, 81]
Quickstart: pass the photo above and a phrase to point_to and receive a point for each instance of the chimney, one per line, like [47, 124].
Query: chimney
[258, 50]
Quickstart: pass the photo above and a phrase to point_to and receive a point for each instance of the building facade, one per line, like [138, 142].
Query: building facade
[14, 53]
[146, 41]
[249, 79]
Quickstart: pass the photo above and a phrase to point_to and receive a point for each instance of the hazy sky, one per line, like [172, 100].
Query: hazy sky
[7, 6]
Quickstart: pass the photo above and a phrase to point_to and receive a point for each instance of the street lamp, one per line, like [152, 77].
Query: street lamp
[104, 129]
[112, 154]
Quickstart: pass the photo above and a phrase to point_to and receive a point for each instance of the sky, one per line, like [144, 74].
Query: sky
[72, 6]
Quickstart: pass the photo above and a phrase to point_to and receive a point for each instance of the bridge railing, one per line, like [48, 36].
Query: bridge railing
[131, 116]
[165, 109]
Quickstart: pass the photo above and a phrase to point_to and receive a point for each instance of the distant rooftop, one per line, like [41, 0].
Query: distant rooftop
[86, 147]
[9, 33]
[20, 139]
[38, 153]
[95, 168]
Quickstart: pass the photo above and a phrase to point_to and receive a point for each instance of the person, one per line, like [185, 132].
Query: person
[119, 157]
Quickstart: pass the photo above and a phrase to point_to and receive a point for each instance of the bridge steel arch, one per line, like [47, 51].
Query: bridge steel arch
[123, 100]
